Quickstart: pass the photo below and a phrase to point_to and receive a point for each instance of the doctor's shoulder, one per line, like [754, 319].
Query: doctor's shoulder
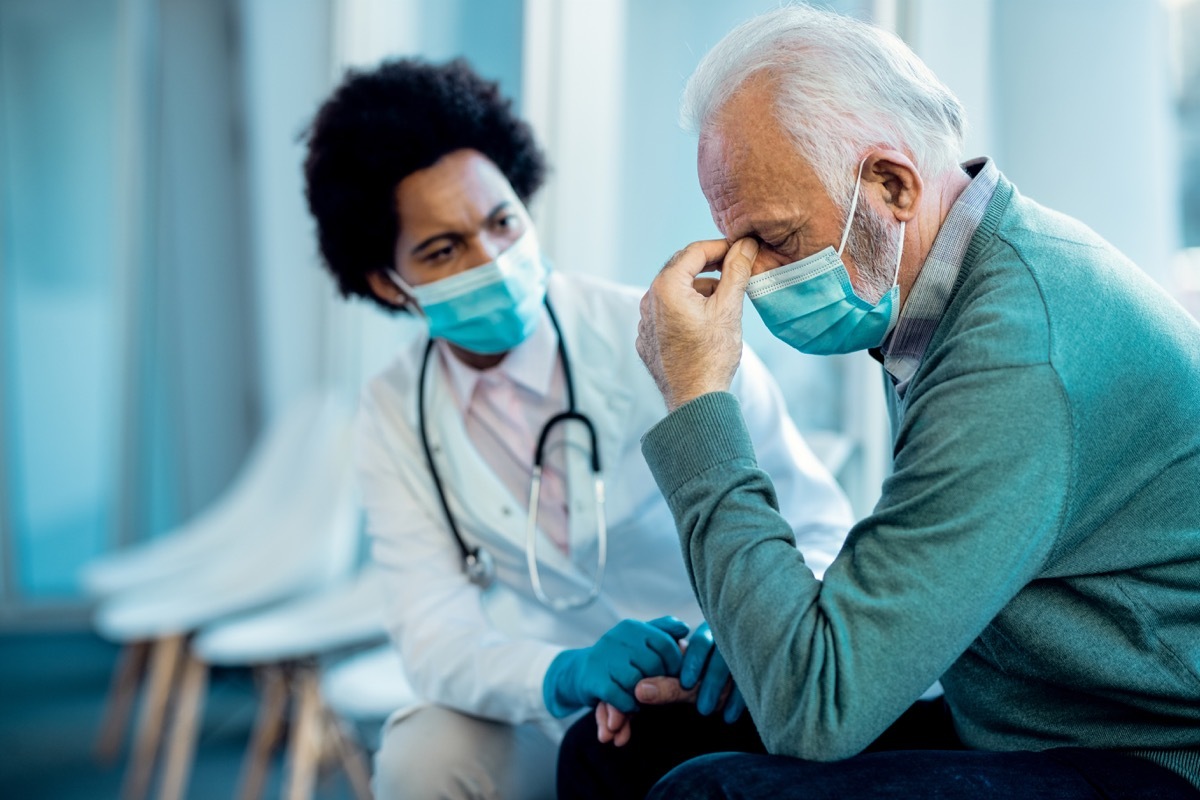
[389, 397]
[600, 298]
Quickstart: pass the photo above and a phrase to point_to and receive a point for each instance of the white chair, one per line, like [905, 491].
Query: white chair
[368, 687]
[293, 531]
[259, 480]
[263, 477]
[282, 643]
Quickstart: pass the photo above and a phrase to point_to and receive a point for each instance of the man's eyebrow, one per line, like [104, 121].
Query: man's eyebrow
[759, 228]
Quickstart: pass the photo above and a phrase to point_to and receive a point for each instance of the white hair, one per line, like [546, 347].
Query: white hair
[843, 86]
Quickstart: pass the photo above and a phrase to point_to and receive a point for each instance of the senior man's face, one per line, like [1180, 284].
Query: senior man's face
[758, 185]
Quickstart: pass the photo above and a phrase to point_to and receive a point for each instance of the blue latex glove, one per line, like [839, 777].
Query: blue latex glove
[703, 663]
[608, 670]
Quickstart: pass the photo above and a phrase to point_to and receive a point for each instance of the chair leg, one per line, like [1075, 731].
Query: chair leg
[267, 728]
[181, 745]
[164, 658]
[121, 693]
[351, 757]
[305, 746]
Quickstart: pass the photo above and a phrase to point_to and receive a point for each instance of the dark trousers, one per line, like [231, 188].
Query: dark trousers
[676, 753]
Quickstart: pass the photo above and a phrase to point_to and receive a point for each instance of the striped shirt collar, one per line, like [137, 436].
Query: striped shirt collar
[926, 302]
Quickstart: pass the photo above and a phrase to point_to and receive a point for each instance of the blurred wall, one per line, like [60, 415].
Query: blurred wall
[285, 51]
[1075, 101]
[125, 301]
[1085, 118]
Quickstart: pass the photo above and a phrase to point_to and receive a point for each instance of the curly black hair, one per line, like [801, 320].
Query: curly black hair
[381, 126]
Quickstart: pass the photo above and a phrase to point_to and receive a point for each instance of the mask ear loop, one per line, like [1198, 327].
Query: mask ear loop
[853, 207]
[403, 286]
[850, 219]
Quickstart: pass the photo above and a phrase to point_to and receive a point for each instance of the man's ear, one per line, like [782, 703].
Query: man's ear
[386, 291]
[895, 182]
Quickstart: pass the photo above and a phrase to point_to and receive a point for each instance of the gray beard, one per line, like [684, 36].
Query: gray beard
[874, 245]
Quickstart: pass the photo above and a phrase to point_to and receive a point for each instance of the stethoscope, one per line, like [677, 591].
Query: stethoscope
[478, 563]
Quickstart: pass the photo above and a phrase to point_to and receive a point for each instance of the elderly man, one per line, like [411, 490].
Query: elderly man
[1037, 546]
[512, 603]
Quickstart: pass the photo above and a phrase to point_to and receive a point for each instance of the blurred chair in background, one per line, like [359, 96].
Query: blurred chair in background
[261, 479]
[285, 645]
[287, 525]
[266, 474]
[364, 690]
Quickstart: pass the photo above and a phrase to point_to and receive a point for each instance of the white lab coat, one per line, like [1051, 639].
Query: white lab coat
[485, 653]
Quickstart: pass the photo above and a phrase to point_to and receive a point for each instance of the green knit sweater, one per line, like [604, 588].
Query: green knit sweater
[1037, 546]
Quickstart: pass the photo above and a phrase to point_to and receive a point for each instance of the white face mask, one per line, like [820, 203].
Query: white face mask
[811, 304]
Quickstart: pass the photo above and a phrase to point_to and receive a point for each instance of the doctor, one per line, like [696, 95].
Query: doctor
[418, 176]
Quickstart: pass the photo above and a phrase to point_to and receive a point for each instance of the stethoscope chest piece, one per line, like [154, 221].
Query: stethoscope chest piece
[480, 567]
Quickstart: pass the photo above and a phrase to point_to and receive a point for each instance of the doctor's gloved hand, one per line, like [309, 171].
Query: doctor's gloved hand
[704, 665]
[609, 670]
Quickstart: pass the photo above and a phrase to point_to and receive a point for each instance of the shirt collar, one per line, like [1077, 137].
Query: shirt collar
[530, 364]
[926, 302]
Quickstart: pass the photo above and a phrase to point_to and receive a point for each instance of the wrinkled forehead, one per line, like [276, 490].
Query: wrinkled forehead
[746, 151]
[745, 131]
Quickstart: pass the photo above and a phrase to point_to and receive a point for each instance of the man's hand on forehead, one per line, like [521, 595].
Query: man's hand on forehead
[690, 334]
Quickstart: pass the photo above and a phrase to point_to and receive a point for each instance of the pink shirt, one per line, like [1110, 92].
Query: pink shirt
[504, 409]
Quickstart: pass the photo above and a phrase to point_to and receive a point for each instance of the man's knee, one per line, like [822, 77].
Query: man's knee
[578, 744]
[702, 778]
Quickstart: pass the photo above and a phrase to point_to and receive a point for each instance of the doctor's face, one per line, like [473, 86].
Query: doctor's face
[458, 214]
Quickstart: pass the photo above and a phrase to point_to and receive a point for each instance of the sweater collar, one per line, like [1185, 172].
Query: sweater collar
[926, 303]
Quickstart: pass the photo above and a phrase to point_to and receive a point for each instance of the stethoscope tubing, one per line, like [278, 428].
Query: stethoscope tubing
[477, 562]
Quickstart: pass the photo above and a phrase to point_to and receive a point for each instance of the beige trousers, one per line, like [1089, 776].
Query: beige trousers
[443, 754]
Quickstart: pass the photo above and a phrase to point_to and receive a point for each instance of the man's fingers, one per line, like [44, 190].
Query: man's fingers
[613, 725]
[616, 718]
[736, 270]
[603, 732]
[622, 736]
[663, 690]
[705, 286]
[697, 257]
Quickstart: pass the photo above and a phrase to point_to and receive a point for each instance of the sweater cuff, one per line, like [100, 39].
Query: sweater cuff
[699, 435]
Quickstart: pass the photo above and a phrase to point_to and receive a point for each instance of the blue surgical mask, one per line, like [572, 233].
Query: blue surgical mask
[812, 306]
[487, 309]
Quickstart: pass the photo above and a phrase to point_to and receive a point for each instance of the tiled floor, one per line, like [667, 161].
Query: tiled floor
[52, 690]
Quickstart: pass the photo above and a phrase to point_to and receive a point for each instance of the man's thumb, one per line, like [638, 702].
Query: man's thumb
[736, 269]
